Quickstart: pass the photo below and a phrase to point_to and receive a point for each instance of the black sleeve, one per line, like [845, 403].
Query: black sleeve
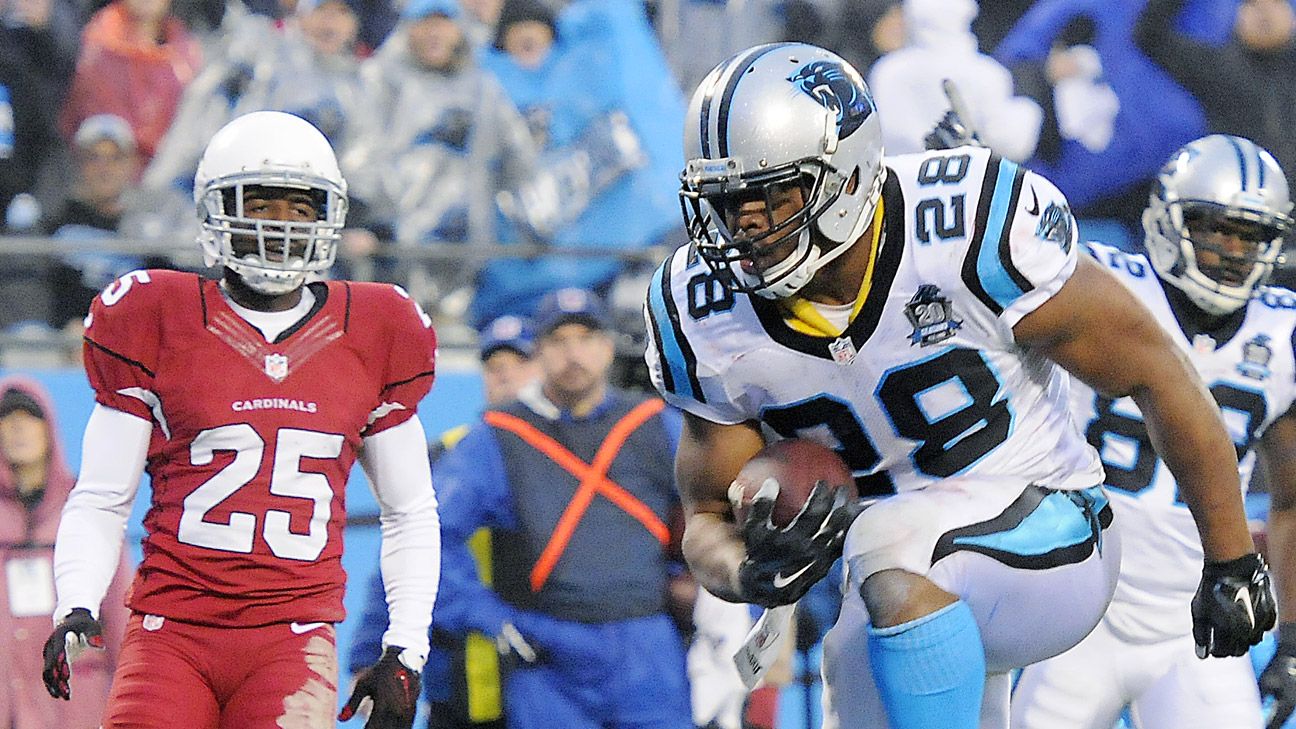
[1218, 76]
[1031, 80]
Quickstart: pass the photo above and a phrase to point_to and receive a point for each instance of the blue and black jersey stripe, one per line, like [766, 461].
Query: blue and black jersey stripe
[678, 362]
[988, 270]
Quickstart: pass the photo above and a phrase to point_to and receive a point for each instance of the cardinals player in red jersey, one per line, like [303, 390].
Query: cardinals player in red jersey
[247, 400]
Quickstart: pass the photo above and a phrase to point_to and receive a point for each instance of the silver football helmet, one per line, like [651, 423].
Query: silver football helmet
[279, 150]
[778, 115]
[1217, 183]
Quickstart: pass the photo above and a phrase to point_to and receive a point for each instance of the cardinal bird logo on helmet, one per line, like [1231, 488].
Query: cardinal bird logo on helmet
[838, 89]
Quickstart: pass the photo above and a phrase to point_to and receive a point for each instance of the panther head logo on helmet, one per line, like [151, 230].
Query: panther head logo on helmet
[770, 119]
[832, 85]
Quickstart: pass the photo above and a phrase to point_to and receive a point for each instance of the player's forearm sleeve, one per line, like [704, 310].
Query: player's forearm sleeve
[88, 544]
[397, 465]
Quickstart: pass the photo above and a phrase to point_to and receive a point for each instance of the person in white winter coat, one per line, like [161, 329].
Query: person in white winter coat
[906, 84]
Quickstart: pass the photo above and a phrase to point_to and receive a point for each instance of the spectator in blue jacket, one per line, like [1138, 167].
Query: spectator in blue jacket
[1156, 115]
[1246, 86]
[461, 677]
[603, 107]
[575, 481]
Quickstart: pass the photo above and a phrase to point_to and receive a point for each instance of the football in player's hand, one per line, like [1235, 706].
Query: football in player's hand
[795, 465]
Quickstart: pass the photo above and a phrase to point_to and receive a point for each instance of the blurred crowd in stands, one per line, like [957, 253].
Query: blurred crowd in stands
[547, 124]
[555, 125]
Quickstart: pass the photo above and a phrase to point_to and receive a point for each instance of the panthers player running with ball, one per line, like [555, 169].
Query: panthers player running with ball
[916, 313]
[247, 400]
[1214, 227]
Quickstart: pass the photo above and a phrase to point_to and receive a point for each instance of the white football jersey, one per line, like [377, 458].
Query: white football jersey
[926, 382]
[1251, 373]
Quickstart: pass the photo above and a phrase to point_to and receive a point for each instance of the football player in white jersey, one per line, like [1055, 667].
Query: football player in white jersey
[1214, 226]
[915, 313]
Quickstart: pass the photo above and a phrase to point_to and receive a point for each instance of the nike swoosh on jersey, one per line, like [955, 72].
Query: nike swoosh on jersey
[781, 581]
[1034, 206]
[300, 628]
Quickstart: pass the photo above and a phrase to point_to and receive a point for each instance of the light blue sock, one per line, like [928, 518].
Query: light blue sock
[930, 672]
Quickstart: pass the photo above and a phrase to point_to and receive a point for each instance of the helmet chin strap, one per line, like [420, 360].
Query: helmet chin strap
[1212, 305]
[1215, 303]
[793, 282]
[795, 278]
[268, 282]
[211, 248]
[818, 258]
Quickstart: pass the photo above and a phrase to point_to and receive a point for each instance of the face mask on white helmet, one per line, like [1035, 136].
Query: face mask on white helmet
[265, 154]
[1215, 221]
[770, 121]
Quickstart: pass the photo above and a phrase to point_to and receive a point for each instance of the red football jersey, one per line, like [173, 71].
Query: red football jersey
[252, 442]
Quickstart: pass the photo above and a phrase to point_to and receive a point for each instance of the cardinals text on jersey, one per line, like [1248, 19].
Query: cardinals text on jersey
[926, 381]
[252, 440]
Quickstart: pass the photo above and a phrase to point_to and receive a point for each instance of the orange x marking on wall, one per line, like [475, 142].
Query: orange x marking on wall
[593, 481]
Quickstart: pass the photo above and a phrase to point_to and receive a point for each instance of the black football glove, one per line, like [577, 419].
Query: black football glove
[782, 564]
[394, 689]
[1279, 677]
[1233, 607]
[951, 132]
[72, 635]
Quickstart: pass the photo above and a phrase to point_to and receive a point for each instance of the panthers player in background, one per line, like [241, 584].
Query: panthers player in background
[1214, 226]
[247, 400]
[915, 312]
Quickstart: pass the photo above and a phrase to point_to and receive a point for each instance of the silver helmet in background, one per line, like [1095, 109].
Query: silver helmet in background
[1217, 184]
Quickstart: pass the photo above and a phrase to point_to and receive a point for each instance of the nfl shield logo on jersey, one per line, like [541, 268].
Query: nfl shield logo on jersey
[931, 315]
[276, 367]
[1255, 358]
[843, 350]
